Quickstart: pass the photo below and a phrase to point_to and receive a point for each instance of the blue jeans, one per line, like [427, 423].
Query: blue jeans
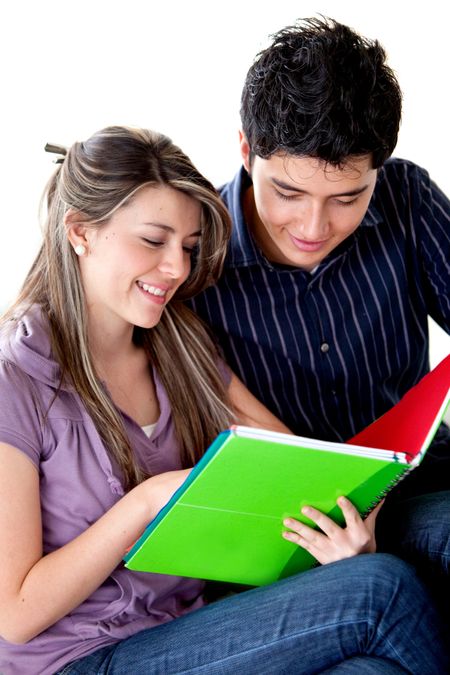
[368, 614]
[417, 529]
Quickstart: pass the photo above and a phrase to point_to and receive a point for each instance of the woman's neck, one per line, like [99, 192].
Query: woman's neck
[109, 343]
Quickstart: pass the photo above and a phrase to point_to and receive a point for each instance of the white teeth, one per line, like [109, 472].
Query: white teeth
[153, 290]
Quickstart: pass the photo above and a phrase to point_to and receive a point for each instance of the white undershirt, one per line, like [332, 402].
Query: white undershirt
[148, 429]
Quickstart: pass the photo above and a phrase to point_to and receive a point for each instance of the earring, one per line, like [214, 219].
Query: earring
[80, 249]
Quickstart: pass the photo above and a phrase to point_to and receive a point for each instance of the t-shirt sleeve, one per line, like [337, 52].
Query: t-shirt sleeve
[20, 414]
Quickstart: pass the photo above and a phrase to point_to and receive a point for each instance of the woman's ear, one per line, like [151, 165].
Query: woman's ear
[76, 230]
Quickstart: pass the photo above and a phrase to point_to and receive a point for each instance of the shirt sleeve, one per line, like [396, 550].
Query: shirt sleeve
[433, 228]
[20, 415]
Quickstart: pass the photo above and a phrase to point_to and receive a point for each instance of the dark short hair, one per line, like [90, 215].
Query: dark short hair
[321, 90]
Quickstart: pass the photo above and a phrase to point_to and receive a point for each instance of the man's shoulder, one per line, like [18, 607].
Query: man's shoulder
[231, 191]
[242, 250]
[401, 185]
[402, 172]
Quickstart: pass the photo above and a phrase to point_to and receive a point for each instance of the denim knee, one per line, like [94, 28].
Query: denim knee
[418, 530]
[384, 570]
[379, 578]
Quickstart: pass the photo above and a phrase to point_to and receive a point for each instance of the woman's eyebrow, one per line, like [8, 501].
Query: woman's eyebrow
[169, 228]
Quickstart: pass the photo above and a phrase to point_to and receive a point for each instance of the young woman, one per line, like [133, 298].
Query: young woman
[111, 389]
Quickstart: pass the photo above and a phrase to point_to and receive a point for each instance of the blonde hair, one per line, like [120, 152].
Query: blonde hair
[96, 178]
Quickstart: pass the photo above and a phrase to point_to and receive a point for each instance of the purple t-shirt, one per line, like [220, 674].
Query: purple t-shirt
[78, 483]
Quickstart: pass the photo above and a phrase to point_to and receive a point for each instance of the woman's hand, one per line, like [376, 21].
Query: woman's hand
[334, 542]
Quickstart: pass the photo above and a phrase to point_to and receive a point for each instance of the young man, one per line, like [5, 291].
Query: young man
[339, 255]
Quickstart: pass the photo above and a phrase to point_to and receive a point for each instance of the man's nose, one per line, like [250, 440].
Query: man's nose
[314, 222]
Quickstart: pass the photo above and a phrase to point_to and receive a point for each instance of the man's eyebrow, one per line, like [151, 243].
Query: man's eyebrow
[169, 228]
[291, 188]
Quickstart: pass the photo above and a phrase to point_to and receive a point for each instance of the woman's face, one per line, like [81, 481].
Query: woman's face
[135, 263]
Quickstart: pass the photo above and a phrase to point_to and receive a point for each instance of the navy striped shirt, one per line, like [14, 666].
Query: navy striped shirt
[330, 351]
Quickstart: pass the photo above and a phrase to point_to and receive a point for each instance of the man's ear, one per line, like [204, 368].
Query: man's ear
[76, 228]
[245, 151]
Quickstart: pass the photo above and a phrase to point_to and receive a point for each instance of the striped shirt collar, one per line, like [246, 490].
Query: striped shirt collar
[243, 251]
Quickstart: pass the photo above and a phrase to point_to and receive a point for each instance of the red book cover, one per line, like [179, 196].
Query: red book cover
[411, 424]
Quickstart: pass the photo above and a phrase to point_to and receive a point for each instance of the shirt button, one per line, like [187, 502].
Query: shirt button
[324, 347]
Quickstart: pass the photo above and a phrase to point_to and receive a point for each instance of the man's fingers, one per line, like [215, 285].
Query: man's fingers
[370, 520]
[305, 536]
[351, 514]
[326, 524]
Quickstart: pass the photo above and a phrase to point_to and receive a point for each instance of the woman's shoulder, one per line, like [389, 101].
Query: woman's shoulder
[25, 345]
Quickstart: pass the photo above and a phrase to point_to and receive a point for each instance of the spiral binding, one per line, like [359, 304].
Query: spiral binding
[387, 489]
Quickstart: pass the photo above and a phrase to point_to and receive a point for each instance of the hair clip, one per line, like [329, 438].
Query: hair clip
[57, 150]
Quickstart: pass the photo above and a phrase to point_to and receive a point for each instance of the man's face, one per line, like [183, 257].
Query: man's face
[303, 208]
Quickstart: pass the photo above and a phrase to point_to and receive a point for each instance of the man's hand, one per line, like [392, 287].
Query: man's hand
[334, 542]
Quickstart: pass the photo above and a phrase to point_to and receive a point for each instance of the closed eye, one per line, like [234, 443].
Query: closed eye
[286, 198]
[192, 245]
[157, 244]
[342, 203]
[153, 243]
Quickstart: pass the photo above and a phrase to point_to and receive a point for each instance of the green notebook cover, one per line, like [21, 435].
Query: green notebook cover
[225, 521]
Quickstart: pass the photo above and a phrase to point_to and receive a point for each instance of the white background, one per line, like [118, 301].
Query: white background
[70, 68]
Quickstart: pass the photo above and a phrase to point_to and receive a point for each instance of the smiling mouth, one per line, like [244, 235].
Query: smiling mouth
[307, 246]
[152, 290]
